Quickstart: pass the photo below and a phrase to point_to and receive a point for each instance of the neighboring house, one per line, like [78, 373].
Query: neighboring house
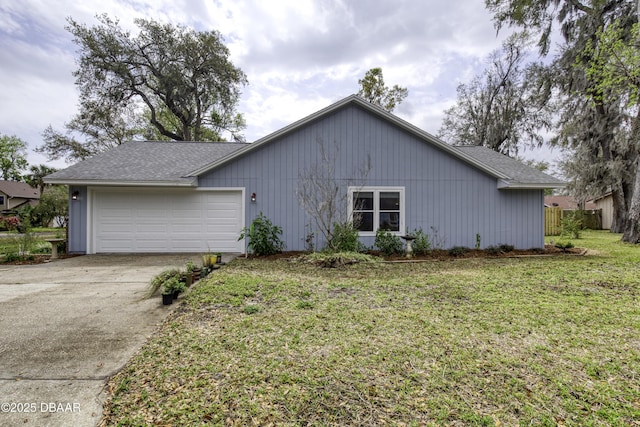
[605, 203]
[14, 195]
[193, 197]
[567, 203]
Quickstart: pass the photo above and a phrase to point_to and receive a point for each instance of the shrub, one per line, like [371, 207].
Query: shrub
[493, 250]
[11, 223]
[507, 248]
[13, 257]
[388, 243]
[264, 237]
[571, 225]
[458, 251]
[564, 246]
[421, 245]
[344, 238]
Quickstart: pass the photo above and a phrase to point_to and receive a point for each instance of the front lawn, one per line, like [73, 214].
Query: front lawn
[500, 341]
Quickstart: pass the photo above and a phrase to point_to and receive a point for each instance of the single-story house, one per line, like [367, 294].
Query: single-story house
[193, 196]
[14, 195]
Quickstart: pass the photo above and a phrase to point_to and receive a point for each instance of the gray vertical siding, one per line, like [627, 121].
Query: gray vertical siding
[78, 220]
[442, 193]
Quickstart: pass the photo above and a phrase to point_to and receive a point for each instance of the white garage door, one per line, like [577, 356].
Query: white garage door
[166, 221]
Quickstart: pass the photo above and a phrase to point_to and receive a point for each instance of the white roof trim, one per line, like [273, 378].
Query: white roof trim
[507, 185]
[190, 182]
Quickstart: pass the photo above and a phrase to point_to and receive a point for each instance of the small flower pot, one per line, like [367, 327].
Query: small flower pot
[167, 299]
[175, 294]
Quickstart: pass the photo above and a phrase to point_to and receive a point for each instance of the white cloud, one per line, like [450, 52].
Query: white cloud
[299, 55]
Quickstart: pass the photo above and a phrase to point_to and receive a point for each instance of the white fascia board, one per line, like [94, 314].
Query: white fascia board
[191, 182]
[506, 185]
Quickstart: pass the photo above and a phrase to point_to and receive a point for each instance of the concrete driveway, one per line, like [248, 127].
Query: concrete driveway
[66, 327]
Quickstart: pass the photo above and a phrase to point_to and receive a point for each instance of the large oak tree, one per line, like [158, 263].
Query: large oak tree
[178, 81]
[590, 124]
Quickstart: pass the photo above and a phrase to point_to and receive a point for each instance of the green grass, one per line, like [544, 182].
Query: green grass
[486, 342]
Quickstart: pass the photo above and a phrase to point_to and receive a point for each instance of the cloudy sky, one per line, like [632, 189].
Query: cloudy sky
[299, 55]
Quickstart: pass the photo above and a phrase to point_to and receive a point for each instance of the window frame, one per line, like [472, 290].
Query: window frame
[376, 190]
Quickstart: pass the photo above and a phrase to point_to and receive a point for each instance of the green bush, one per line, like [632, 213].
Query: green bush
[571, 225]
[388, 243]
[344, 238]
[422, 244]
[564, 246]
[13, 257]
[264, 237]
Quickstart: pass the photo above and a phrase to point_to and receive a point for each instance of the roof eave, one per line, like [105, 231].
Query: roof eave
[190, 182]
[510, 185]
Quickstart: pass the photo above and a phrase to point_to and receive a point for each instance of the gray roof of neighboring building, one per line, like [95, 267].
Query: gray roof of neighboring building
[19, 189]
[146, 162]
[519, 175]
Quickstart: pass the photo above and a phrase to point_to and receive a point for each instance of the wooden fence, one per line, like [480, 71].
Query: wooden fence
[552, 221]
[591, 219]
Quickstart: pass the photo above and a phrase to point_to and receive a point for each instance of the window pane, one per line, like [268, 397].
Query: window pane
[363, 221]
[389, 201]
[390, 221]
[363, 201]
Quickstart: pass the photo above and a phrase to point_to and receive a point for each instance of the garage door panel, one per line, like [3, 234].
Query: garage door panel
[168, 221]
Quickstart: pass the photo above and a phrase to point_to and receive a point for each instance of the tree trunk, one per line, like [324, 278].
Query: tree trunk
[619, 211]
[632, 225]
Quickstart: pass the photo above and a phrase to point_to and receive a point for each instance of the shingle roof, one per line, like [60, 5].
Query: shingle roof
[146, 162]
[19, 189]
[179, 163]
[519, 175]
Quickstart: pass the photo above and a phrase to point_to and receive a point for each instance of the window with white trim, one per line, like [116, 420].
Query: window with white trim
[372, 208]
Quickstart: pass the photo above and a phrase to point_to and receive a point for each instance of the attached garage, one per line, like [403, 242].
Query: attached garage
[165, 220]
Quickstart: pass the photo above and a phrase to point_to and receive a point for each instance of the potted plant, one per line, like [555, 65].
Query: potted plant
[167, 293]
[195, 271]
[158, 281]
[186, 277]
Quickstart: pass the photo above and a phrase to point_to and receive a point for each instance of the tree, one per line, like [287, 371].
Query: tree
[13, 157]
[181, 78]
[36, 175]
[373, 89]
[53, 205]
[499, 109]
[588, 123]
[615, 68]
[324, 197]
[98, 127]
